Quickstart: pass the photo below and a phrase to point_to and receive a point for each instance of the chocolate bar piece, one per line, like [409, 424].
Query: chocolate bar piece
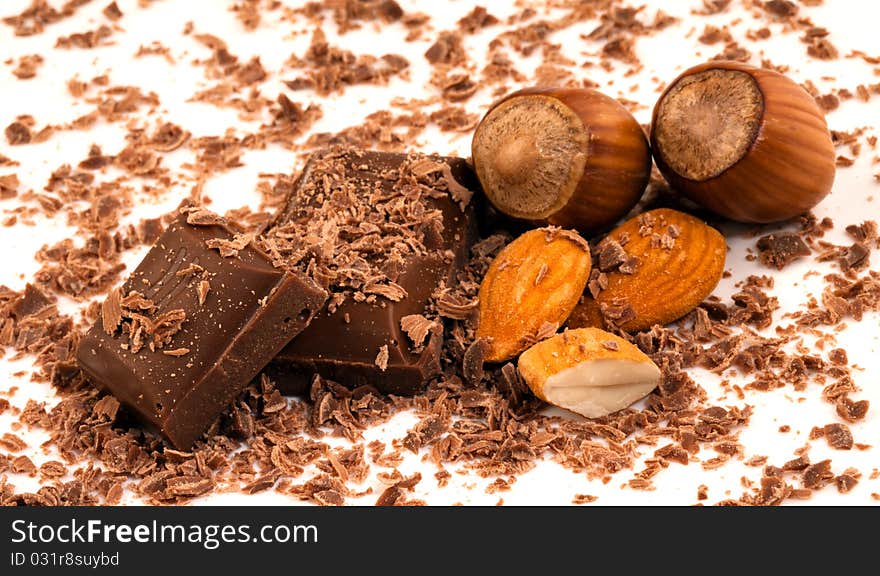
[377, 328]
[199, 318]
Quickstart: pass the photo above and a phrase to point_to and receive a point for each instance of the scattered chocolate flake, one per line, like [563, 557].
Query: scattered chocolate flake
[23, 465]
[733, 51]
[27, 66]
[852, 411]
[52, 469]
[779, 250]
[818, 475]
[230, 248]
[111, 311]
[673, 453]
[203, 288]
[447, 49]
[617, 312]
[169, 137]
[394, 494]
[202, 217]
[86, 40]
[781, 8]
[838, 357]
[177, 352]
[611, 255]
[33, 19]
[112, 12]
[8, 186]
[847, 480]
[329, 69]
[773, 491]
[476, 19]
[12, 443]
[713, 7]
[583, 499]
[838, 436]
[713, 35]
[473, 360]
[865, 233]
[17, 133]
[382, 357]
[821, 48]
[597, 282]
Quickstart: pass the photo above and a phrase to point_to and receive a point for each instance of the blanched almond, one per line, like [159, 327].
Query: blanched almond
[588, 371]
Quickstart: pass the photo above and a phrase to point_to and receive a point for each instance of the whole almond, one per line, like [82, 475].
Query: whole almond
[530, 289]
[658, 267]
[588, 371]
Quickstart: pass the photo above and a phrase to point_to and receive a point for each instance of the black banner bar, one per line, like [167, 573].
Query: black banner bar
[138, 540]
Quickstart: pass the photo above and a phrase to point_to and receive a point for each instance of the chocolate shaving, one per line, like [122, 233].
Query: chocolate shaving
[203, 288]
[473, 360]
[8, 186]
[448, 49]
[838, 436]
[111, 311]
[382, 357]
[177, 352]
[852, 411]
[417, 327]
[611, 255]
[779, 250]
[112, 12]
[230, 248]
[450, 306]
[17, 133]
[818, 475]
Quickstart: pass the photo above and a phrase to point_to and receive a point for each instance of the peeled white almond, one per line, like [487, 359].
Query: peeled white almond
[588, 371]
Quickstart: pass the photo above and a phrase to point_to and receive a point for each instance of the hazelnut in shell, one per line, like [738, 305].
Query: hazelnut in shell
[569, 157]
[747, 143]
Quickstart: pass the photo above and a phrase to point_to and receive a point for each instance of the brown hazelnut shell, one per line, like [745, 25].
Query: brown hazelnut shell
[788, 168]
[617, 161]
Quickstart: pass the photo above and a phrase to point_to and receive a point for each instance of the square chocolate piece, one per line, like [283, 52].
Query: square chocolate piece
[391, 229]
[195, 322]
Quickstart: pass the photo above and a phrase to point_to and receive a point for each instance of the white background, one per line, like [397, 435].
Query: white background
[853, 25]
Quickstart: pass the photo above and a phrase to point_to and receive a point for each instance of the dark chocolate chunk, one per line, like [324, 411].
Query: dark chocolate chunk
[176, 356]
[369, 338]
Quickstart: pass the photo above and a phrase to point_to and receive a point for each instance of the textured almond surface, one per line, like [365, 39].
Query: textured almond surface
[680, 260]
[588, 371]
[531, 287]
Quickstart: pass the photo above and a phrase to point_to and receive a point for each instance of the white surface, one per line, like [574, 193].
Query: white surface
[852, 25]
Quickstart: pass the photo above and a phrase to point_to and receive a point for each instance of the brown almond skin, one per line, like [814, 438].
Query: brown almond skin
[789, 167]
[667, 284]
[537, 278]
[618, 160]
